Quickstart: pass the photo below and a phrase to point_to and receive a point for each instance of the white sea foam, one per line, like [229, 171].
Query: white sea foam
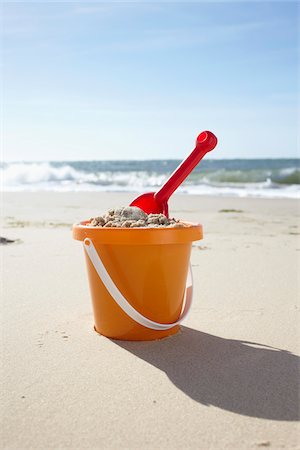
[17, 174]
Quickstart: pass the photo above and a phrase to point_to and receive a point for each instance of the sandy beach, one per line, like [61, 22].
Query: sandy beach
[229, 379]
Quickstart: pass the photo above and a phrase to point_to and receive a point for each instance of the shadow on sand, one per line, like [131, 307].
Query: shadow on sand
[243, 377]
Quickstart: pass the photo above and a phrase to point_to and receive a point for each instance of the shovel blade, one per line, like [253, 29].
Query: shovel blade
[149, 204]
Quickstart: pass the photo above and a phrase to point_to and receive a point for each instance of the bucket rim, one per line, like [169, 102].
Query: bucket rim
[141, 235]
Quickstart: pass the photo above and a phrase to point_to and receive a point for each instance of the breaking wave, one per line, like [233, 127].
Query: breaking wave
[212, 177]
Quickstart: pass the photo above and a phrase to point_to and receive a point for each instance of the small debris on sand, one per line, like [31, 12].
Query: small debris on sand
[5, 241]
[231, 211]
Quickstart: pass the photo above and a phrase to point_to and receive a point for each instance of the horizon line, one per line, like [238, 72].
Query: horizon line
[142, 159]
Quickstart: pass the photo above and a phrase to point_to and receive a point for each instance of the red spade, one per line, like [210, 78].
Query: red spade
[157, 202]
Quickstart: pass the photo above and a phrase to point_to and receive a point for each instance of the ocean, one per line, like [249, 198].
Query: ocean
[266, 178]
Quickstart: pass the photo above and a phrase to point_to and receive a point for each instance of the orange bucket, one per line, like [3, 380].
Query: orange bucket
[137, 278]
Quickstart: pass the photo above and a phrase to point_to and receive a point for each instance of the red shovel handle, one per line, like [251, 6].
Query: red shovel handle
[206, 141]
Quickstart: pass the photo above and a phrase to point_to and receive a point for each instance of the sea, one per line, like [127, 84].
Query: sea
[265, 178]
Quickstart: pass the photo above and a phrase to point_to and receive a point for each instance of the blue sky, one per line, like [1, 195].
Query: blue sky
[141, 80]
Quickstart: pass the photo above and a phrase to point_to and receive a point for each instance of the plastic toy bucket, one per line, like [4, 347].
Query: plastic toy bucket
[138, 278]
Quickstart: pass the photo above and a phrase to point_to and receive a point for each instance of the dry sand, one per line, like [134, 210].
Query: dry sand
[229, 379]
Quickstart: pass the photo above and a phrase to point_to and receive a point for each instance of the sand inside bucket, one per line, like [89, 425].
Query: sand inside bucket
[133, 217]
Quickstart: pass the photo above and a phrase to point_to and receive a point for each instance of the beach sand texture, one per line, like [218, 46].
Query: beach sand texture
[229, 379]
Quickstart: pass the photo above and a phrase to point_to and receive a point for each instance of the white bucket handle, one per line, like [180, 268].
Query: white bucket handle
[124, 304]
